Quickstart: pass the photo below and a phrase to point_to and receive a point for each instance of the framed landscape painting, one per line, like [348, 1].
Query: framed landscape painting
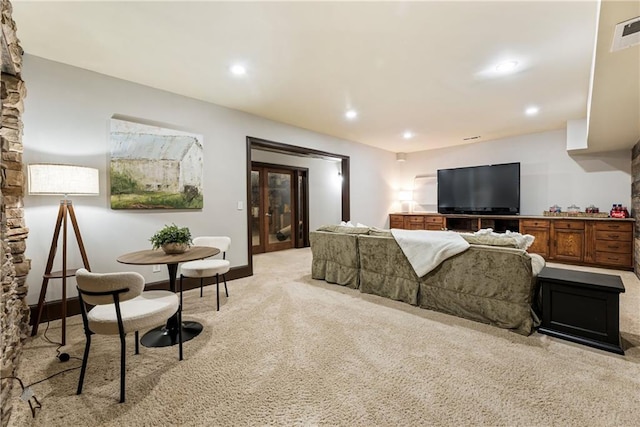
[154, 168]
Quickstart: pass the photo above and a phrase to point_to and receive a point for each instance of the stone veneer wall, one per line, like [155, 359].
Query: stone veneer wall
[14, 311]
[635, 204]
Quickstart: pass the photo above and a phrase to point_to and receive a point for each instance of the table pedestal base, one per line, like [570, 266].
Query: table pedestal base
[164, 337]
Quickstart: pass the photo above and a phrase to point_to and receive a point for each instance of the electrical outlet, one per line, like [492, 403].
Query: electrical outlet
[156, 268]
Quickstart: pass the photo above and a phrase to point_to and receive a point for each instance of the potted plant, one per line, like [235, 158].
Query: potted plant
[172, 239]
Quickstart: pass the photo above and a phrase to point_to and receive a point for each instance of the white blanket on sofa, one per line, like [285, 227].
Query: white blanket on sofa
[425, 249]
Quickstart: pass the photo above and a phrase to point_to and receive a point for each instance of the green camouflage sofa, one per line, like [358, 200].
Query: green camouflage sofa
[335, 254]
[488, 284]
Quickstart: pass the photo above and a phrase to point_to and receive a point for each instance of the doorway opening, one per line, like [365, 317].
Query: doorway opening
[277, 147]
[279, 207]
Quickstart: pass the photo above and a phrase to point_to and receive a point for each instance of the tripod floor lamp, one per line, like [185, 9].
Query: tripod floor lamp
[65, 180]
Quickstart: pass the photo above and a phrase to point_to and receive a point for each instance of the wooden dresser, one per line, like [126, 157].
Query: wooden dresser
[600, 242]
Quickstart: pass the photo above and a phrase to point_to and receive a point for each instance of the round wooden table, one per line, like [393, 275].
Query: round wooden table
[167, 335]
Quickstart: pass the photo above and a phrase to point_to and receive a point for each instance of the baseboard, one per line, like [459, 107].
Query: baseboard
[53, 310]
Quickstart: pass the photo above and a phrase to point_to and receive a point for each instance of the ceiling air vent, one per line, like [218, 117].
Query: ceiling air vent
[627, 34]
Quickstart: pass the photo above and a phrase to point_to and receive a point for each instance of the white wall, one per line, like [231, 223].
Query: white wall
[66, 120]
[549, 175]
[325, 185]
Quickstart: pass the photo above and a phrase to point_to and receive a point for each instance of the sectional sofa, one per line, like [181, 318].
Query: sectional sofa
[493, 283]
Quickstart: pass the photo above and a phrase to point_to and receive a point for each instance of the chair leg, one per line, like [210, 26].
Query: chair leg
[181, 276]
[180, 321]
[123, 356]
[224, 277]
[84, 364]
[137, 343]
[180, 332]
[201, 287]
[217, 292]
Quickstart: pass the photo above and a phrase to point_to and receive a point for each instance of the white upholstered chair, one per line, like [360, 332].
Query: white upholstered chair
[121, 306]
[209, 267]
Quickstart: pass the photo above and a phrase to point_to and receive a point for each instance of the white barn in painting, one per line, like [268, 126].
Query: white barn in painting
[167, 163]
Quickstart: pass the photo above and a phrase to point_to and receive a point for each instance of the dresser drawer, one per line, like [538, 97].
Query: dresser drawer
[536, 223]
[617, 246]
[396, 221]
[614, 235]
[614, 259]
[412, 226]
[434, 227]
[433, 220]
[569, 225]
[414, 222]
[414, 219]
[614, 226]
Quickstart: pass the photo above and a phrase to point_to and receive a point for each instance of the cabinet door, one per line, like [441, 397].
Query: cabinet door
[541, 243]
[568, 245]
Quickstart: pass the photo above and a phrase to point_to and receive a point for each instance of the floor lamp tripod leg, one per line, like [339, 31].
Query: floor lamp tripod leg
[76, 230]
[47, 270]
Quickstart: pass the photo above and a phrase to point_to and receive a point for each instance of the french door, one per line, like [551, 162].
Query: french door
[279, 217]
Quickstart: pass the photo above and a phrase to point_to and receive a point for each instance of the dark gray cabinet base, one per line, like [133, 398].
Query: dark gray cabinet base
[581, 307]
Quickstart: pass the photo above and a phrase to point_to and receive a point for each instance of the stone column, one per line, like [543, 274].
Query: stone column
[14, 311]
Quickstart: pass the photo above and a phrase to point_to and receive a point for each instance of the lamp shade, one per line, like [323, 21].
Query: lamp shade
[405, 196]
[46, 178]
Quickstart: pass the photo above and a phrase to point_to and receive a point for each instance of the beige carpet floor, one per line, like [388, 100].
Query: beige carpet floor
[288, 350]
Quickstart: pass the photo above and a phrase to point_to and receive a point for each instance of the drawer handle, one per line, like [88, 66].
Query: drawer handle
[613, 247]
[614, 236]
[613, 226]
[612, 259]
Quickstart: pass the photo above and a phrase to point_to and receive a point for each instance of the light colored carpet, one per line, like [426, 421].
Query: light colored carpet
[288, 350]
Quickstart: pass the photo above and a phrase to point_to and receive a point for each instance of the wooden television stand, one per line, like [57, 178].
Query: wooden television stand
[598, 242]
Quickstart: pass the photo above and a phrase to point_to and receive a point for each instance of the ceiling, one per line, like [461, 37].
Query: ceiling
[426, 67]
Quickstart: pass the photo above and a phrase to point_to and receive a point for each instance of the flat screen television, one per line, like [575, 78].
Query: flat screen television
[480, 190]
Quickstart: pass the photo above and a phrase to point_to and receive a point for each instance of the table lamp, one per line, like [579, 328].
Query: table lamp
[65, 180]
[406, 196]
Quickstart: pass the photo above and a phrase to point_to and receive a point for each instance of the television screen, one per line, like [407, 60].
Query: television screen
[490, 189]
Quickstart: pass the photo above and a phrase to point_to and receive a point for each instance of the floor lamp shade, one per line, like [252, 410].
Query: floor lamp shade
[46, 178]
[66, 180]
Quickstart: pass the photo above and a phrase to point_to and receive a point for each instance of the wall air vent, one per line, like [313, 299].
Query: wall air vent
[470, 138]
[626, 34]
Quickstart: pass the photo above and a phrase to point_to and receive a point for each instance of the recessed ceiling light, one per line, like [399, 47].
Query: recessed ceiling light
[238, 70]
[351, 114]
[531, 111]
[506, 66]
[407, 134]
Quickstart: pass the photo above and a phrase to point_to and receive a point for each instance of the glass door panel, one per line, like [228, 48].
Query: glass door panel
[256, 232]
[278, 210]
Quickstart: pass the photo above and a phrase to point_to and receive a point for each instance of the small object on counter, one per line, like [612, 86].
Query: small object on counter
[592, 209]
[555, 208]
[573, 209]
[617, 211]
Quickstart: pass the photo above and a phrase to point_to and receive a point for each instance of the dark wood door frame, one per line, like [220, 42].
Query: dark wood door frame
[278, 147]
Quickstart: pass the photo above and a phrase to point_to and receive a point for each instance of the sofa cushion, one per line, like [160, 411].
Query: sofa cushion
[380, 232]
[343, 229]
[489, 238]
